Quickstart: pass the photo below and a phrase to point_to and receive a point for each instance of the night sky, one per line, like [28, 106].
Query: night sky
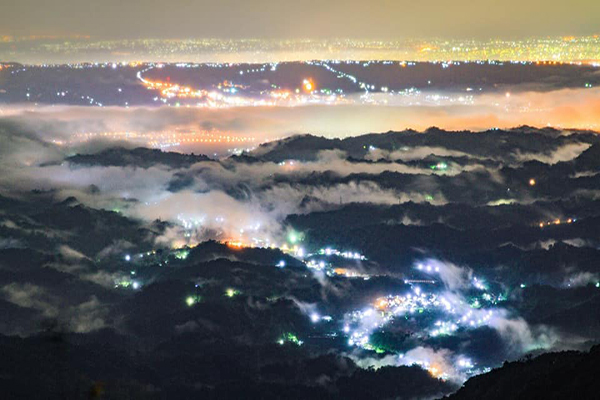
[300, 18]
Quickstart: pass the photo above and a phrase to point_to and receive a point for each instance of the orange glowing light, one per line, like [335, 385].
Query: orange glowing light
[434, 371]
[308, 85]
[532, 182]
[381, 304]
[233, 244]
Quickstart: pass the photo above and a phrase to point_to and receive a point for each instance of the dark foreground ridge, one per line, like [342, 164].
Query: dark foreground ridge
[564, 375]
